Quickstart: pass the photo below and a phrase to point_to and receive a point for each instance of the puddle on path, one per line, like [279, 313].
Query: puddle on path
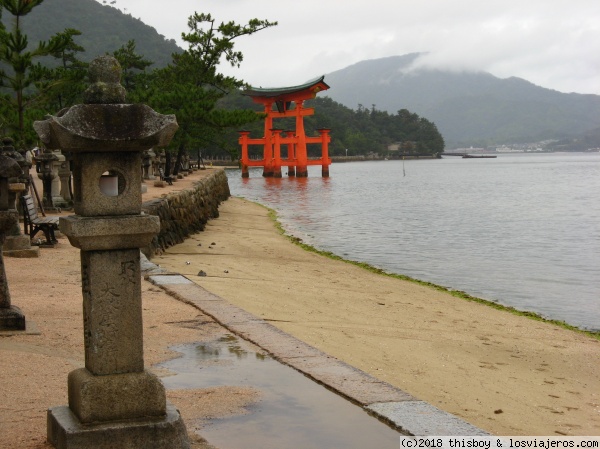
[293, 412]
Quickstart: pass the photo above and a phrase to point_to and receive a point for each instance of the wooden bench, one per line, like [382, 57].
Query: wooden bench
[163, 177]
[34, 223]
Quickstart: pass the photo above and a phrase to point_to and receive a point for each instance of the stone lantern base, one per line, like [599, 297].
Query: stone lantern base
[16, 243]
[19, 246]
[11, 318]
[65, 431]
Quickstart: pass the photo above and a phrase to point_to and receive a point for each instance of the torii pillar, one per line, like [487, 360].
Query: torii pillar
[281, 103]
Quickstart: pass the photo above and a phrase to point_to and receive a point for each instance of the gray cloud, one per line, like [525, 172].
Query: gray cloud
[553, 44]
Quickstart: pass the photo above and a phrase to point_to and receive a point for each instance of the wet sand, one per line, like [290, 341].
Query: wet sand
[507, 374]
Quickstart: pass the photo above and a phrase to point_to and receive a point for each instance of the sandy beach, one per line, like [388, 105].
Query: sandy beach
[504, 373]
[507, 374]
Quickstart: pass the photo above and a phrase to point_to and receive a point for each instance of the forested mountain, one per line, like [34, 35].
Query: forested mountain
[475, 109]
[587, 141]
[468, 108]
[353, 132]
[371, 130]
[104, 29]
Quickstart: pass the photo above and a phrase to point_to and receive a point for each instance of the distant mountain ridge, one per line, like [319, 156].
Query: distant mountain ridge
[104, 29]
[469, 108]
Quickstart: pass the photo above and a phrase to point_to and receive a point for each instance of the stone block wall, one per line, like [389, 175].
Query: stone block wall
[186, 212]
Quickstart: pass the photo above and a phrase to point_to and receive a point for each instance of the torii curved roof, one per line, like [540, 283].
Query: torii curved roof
[310, 88]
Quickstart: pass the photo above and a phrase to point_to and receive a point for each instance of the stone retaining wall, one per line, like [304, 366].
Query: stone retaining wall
[186, 212]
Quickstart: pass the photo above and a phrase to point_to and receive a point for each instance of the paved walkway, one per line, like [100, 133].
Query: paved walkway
[404, 412]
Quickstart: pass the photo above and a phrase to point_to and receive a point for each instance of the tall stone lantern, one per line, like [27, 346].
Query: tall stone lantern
[11, 317]
[113, 402]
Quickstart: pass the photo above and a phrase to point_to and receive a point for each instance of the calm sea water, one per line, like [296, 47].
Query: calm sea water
[522, 229]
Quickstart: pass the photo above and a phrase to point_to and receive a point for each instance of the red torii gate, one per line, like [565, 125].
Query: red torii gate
[279, 103]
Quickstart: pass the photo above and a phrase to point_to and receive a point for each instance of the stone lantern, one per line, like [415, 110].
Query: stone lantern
[45, 169]
[113, 402]
[11, 317]
[162, 161]
[147, 164]
[64, 175]
[16, 244]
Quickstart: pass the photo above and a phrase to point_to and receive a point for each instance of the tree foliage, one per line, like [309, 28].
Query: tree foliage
[189, 87]
[21, 72]
[207, 103]
[361, 131]
[62, 85]
[365, 131]
[192, 86]
[132, 64]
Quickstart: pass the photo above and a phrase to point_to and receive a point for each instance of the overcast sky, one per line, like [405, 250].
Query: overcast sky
[552, 43]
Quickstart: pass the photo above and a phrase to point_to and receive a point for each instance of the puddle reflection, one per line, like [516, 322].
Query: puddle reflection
[293, 411]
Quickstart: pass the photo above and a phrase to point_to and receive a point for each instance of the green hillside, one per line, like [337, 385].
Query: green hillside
[353, 132]
[104, 29]
[468, 108]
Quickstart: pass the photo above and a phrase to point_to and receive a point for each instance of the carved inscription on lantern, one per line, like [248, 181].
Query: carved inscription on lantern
[112, 311]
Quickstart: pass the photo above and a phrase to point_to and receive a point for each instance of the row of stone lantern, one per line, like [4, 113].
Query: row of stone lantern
[15, 243]
[155, 161]
[54, 170]
[113, 402]
[11, 317]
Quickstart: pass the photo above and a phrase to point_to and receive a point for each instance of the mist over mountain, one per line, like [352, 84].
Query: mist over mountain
[469, 108]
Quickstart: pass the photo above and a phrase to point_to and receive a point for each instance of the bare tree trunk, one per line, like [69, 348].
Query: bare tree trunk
[167, 163]
[180, 154]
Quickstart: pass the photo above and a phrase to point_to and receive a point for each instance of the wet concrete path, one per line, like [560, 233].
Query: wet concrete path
[293, 411]
[297, 410]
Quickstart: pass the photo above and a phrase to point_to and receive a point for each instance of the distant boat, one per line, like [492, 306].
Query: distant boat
[481, 156]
